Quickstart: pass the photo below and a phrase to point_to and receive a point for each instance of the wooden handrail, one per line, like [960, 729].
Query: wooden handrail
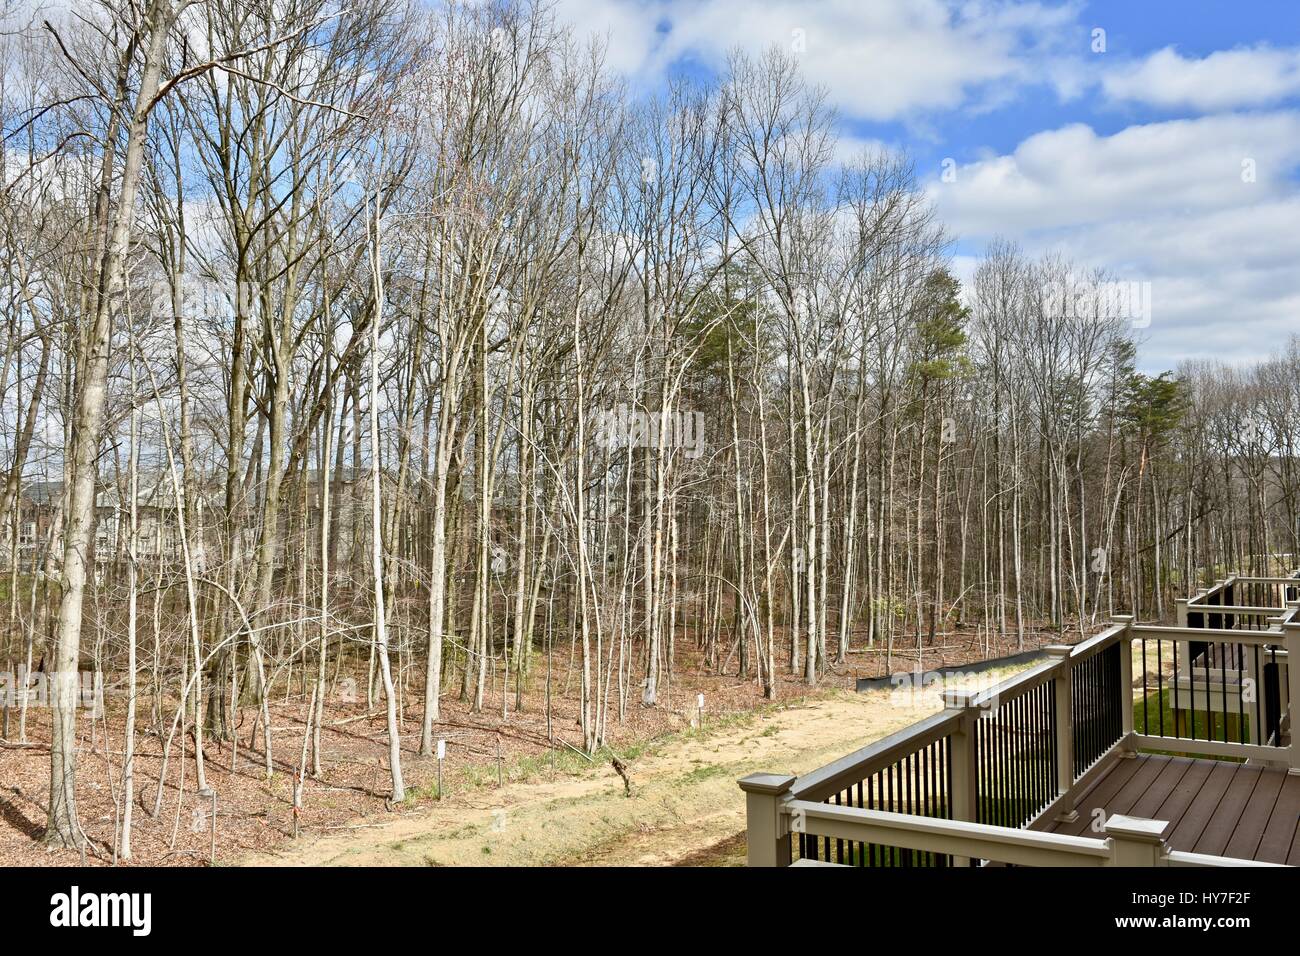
[1016, 685]
[1128, 841]
[1251, 609]
[835, 776]
[1264, 579]
[1098, 642]
[936, 835]
[1214, 635]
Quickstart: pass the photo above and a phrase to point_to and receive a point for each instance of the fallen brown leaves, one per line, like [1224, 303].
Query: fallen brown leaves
[255, 815]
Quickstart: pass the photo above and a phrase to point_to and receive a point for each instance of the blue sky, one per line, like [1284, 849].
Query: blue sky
[1169, 153]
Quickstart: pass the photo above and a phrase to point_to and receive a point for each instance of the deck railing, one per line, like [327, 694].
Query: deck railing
[1016, 756]
[908, 773]
[970, 784]
[1222, 673]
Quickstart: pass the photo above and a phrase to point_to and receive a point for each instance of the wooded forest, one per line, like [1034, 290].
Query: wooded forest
[403, 346]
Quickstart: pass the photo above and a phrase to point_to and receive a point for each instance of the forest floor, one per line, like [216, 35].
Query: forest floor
[514, 789]
[682, 807]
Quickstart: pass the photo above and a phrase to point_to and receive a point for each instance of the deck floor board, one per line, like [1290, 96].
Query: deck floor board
[1188, 829]
[1099, 793]
[1176, 804]
[1229, 811]
[1280, 832]
[1212, 806]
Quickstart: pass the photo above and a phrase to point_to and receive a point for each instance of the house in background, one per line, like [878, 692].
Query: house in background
[40, 525]
[40, 522]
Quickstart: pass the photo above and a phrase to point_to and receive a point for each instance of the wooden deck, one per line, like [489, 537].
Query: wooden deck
[1212, 806]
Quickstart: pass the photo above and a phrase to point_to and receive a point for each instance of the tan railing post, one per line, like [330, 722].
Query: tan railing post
[964, 781]
[768, 840]
[1135, 841]
[1180, 611]
[964, 785]
[1126, 683]
[1291, 635]
[1064, 726]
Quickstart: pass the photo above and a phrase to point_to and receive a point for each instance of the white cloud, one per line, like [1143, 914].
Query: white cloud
[1226, 79]
[1072, 176]
[882, 60]
[1162, 203]
[630, 29]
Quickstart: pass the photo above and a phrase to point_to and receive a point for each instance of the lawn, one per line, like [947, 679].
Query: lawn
[1154, 715]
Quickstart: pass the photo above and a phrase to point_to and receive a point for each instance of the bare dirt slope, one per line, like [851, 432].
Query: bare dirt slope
[685, 806]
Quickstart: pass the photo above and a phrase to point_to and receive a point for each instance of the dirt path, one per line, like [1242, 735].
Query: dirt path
[685, 806]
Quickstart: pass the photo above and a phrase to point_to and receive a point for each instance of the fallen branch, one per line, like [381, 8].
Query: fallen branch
[581, 753]
[621, 769]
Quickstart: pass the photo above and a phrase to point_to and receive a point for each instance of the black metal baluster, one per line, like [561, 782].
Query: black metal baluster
[893, 851]
[1146, 723]
[871, 802]
[1004, 771]
[1094, 678]
[1036, 767]
[1160, 688]
[1045, 742]
[839, 844]
[995, 776]
[927, 810]
[1240, 668]
[1209, 717]
[1053, 758]
[1016, 728]
[862, 847]
[911, 799]
[1261, 730]
[1175, 677]
[1114, 700]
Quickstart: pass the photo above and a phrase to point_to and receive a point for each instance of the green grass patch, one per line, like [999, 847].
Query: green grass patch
[704, 773]
[1153, 715]
[417, 792]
